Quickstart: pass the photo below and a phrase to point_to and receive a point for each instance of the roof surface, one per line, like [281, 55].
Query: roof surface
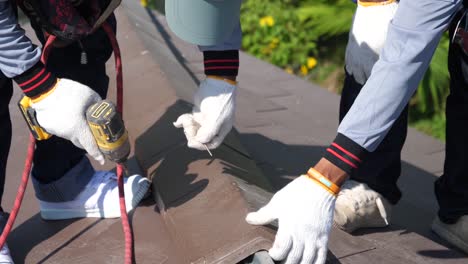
[283, 124]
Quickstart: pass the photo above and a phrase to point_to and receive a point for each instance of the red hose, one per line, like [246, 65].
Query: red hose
[124, 217]
[47, 48]
[32, 142]
[120, 169]
[28, 162]
[21, 191]
[118, 66]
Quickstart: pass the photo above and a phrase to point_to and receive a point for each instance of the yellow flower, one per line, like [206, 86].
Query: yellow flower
[273, 44]
[266, 50]
[262, 22]
[267, 21]
[289, 70]
[144, 3]
[270, 21]
[311, 62]
[304, 70]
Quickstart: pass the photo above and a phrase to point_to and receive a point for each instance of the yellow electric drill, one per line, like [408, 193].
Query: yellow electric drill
[104, 121]
[29, 116]
[109, 131]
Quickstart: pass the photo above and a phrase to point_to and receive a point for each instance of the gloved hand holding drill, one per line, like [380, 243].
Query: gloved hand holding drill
[61, 112]
[213, 114]
[65, 182]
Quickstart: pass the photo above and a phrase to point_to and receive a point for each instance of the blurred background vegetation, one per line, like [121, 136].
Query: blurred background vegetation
[308, 38]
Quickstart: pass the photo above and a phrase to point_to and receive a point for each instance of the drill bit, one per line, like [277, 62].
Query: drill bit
[207, 149]
[192, 132]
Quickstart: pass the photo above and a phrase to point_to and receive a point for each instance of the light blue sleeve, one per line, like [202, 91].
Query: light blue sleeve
[412, 38]
[17, 53]
[234, 42]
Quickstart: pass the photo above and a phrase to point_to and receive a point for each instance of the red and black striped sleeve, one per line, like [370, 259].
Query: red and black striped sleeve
[345, 153]
[36, 80]
[221, 63]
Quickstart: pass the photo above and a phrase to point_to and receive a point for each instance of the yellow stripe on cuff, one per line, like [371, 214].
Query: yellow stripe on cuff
[221, 79]
[375, 3]
[44, 95]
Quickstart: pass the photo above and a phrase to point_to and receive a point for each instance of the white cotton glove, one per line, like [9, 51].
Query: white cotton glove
[213, 114]
[367, 37]
[304, 211]
[63, 113]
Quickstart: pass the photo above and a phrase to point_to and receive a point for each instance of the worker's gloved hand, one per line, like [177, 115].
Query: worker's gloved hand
[367, 37]
[62, 112]
[304, 210]
[213, 114]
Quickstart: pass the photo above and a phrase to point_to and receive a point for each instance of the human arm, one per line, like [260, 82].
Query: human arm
[213, 113]
[412, 38]
[60, 104]
[367, 36]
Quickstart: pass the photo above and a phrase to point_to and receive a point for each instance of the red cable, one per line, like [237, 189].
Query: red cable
[118, 66]
[32, 142]
[123, 210]
[21, 191]
[124, 217]
[47, 48]
[28, 162]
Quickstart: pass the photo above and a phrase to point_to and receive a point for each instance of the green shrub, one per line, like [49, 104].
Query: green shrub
[308, 38]
[298, 35]
[433, 90]
[427, 107]
[292, 34]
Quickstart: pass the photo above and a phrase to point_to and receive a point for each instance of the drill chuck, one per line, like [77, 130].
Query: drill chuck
[109, 131]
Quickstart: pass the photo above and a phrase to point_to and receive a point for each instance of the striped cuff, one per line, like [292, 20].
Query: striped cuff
[345, 153]
[221, 63]
[35, 81]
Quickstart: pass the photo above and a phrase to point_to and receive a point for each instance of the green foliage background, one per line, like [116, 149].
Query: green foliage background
[315, 28]
[319, 29]
[303, 29]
